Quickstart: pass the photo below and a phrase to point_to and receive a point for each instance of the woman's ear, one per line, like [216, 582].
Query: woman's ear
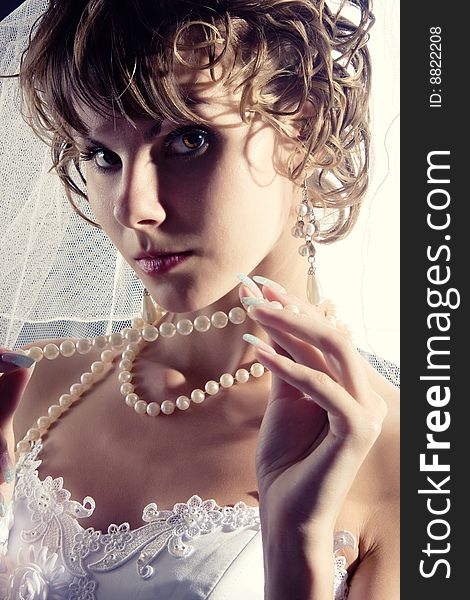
[303, 120]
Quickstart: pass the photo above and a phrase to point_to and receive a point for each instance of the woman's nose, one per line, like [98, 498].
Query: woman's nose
[138, 204]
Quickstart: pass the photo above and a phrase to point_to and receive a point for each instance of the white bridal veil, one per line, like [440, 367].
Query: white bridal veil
[60, 277]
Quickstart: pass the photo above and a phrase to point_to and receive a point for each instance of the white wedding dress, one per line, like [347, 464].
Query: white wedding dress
[196, 551]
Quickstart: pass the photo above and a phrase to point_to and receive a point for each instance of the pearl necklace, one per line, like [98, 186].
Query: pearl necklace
[144, 329]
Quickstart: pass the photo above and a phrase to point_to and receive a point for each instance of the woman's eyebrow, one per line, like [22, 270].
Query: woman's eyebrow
[149, 135]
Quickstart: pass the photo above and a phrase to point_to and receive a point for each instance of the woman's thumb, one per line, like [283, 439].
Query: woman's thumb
[16, 372]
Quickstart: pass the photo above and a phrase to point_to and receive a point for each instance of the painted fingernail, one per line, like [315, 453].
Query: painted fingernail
[250, 284]
[277, 287]
[250, 301]
[18, 360]
[6, 467]
[255, 341]
[293, 308]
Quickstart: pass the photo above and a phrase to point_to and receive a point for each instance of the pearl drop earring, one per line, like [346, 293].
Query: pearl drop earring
[307, 228]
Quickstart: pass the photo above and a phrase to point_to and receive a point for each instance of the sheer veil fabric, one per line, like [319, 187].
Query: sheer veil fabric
[59, 276]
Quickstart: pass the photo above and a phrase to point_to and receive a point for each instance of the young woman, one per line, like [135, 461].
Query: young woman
[231, 442]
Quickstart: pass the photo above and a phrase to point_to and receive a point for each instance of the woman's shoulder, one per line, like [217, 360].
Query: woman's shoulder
[58, 364]
[376, 491]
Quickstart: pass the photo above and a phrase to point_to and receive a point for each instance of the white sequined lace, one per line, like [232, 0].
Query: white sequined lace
[59, 557]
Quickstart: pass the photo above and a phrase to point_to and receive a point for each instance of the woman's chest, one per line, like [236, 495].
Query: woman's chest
[124, 461]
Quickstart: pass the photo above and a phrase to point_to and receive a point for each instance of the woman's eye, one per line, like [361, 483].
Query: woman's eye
[184, 142]
[105, 159]
[102, 159]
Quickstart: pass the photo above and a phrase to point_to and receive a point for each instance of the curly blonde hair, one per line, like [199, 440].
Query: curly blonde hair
[282, 55]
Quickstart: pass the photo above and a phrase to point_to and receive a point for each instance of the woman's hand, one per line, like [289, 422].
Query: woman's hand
[322, 417]
[14, 376]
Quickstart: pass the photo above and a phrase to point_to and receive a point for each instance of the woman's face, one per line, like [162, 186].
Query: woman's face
[213, 192]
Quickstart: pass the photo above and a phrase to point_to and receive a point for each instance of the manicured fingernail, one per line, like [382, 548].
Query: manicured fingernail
[277, 287]
[19, 360]
[249, 300]
[250, 284]
[293, 308]
[255, 341]
[6, 467]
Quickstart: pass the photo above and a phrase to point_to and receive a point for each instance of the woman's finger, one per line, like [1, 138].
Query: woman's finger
[300, 351]
[328, 394]
[341, 358]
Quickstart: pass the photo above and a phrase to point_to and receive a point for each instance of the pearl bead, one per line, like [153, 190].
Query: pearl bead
[132, 347]
[150, 333]
[116, 340]
[140, 407]
[83, 346]
[167, 330]
[226, 380]
[54, 411]
[302, 210]
[309, 228]
[219, 319]
[197, 396]
[237, 315]
[138, 323]
[97, 367]
[67, 348]
[183, 402]
[125, 364]
[257, 369]
[126, 388]
[132, 399]
[184, 327]
[107, 356]
[44, 422]
[33, 434]
[128, 355]
[76, 389]
[202, 323]
[124, 377]
[87, 378]
[133, 336]
[307, 249]
[212, 387]
[167, 407]
[100, 342]
[51, 351]
[153, 409]
[36, 353]
[65, 400]
[23, 446]
[242, 375]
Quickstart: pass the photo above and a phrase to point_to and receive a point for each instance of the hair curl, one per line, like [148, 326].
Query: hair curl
[281, 55]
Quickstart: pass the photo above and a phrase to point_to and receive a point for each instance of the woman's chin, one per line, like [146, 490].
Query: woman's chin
[187, 299]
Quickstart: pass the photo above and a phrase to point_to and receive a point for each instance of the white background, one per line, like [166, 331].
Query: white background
[361, 273]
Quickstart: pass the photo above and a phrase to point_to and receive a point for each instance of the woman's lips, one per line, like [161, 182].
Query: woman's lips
[155, 265]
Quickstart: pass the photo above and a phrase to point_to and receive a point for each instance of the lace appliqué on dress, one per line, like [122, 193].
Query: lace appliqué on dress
[61, 557]
[85, 551]
[342, 539]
